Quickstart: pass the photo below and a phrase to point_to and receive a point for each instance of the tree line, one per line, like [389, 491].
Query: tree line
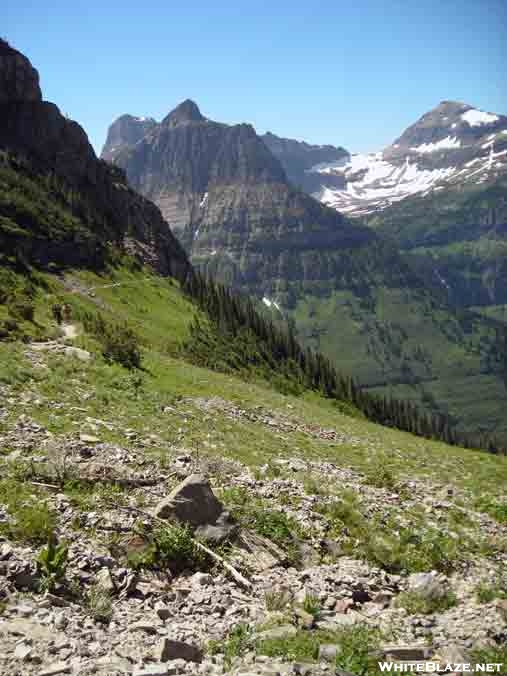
[238, 337]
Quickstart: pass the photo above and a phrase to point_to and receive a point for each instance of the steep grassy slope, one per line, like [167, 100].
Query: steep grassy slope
[458, 237]
[156, 310]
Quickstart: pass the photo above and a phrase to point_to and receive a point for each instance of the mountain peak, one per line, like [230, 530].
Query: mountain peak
[186, 112]
[19, 80]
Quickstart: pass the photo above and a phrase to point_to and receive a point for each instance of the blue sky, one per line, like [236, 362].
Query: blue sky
[347, 72]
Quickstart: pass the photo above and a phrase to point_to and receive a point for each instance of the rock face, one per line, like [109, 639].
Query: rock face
[126, 131]
[19, 81]
[301, 162]
[232, 205]
[50, 145]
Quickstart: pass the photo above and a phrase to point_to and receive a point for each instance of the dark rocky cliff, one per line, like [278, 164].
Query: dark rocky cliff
[37, 139]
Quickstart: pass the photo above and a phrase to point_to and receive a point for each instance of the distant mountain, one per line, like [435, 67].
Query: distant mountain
[125, 132]
[300, 160]
[440, 193]
[348, 290]
[452, 145]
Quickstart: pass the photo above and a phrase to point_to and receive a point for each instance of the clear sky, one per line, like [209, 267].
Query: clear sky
[346, 72]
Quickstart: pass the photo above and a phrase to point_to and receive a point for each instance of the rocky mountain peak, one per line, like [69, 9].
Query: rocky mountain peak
[184, 113]
[127, 130]
[19, 80]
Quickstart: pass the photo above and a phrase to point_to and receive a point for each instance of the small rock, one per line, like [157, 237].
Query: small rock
[202, 578]
[163, 611]
[151, 670]
[406, 652]
[22, 651]
[328, 652]
[24, 610]
[277, 632]
[170, 649]
[55, 668]
[89, 439]
[147, 627]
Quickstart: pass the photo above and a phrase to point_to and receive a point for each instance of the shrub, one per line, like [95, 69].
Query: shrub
[171, 547]
[380, 475]
[497, 589]
[357, 644]
[120, 345]
[99, 604]
[119, 342]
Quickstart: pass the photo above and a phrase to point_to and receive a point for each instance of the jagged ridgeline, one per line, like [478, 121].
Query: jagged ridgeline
[61, 208]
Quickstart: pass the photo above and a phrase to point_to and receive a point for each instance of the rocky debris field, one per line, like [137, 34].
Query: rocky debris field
[115, 561]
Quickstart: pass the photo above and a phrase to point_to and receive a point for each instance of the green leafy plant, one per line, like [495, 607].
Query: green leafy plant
[312, 605]
[52, 563]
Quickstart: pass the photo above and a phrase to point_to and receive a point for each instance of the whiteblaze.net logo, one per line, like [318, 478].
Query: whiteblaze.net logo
[438, 668]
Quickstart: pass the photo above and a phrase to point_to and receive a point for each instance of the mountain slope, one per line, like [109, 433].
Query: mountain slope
[350, 293]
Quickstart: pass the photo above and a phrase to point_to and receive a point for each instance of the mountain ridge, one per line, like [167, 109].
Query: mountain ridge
[37, 139]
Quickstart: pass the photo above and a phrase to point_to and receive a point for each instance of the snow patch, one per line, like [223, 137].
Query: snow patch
[477, 117]
[445, 143]
[271, 303]
[204, 201]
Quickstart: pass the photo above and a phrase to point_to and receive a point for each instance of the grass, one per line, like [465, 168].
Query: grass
[417, 604]
[30, 519]
[489, 591]
[254, 514]
[355, 645]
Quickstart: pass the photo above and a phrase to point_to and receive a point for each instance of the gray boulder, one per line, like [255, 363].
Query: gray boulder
[193, 502]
